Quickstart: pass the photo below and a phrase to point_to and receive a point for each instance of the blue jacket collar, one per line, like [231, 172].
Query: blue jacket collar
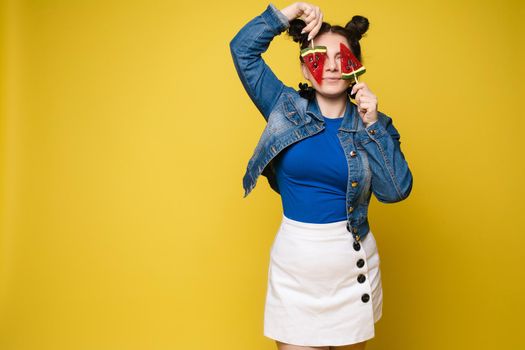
[351, 119]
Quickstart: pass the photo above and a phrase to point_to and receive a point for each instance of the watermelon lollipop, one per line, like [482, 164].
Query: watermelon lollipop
[314, 58]
[350, 65]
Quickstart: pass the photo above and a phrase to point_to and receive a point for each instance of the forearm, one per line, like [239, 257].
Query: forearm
[391, 176]
[247, 48]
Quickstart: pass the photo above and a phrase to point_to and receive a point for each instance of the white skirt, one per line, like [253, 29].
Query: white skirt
[321, 290]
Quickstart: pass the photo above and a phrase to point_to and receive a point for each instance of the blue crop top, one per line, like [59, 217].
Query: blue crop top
[312, 176]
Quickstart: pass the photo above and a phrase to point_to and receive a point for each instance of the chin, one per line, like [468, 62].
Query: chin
[331, 91]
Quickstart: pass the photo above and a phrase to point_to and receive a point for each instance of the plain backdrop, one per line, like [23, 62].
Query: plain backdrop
[125, 133]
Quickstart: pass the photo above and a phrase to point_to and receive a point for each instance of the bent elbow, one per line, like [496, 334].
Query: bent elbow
[394, 195]
[233, 48]
[404, 193]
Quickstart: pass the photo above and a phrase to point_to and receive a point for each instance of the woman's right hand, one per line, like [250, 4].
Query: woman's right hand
[309, 13]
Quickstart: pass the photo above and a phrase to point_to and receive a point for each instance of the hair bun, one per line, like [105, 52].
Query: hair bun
[306, 91]
[357, 26]
[295, 28]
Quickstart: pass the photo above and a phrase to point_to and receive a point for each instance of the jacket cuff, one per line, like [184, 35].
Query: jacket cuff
[275, 19]
[374, 130]
[371, 123]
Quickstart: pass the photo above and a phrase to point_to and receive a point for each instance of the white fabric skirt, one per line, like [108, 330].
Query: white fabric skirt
[322, 290]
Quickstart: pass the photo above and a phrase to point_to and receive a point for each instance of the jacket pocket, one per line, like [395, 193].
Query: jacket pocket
[290, 111]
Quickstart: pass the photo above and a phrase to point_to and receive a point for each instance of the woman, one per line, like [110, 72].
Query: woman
[325, 156]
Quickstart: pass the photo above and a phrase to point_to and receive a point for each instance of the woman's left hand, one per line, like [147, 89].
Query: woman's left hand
[366, 103]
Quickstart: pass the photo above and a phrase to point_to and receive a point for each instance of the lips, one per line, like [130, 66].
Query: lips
[332, 78]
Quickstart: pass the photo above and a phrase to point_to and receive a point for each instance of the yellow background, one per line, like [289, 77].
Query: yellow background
[125, 133]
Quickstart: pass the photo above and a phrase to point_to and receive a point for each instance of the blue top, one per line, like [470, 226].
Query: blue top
[312, 176]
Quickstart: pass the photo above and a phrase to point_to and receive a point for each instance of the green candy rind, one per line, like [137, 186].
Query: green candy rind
[309, 50]
[351, 74]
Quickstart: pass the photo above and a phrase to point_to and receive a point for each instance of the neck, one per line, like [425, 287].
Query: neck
[332, 107]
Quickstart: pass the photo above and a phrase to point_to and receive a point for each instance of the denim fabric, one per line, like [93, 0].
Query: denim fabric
[375, 161]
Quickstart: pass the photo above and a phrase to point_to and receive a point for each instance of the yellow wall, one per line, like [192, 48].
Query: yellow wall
[125, 133]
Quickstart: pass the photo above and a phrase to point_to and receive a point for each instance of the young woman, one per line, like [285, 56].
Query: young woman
[325, 156]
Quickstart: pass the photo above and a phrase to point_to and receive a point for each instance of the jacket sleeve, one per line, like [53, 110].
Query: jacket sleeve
[261, 84]
[391, 176]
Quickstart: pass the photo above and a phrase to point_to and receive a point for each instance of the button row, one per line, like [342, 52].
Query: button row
[361, 278]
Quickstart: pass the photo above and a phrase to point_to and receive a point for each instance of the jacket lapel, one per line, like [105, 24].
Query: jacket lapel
[351, 120]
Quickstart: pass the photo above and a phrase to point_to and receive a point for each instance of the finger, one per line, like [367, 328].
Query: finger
[360, 93]
[313, 18]
[303, 7]
[367, 99]
[368, 107]
[316, 11]
[311, 22]
[319, 24]
[364, 100]
[308, 14]
[362, 85]
[303, 13]
[363, 92]
[361, 101]
[357, 87]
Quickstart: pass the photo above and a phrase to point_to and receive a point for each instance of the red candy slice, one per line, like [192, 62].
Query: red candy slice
[314, 58]
[350, 65]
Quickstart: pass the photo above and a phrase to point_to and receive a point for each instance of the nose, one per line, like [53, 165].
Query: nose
[332, 64]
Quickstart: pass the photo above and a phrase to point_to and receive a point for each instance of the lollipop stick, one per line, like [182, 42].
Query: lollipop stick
[355, 77]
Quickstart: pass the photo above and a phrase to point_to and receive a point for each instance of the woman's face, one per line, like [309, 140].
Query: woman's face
[332, 84]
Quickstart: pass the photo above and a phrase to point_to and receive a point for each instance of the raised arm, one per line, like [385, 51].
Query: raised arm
[259, 81]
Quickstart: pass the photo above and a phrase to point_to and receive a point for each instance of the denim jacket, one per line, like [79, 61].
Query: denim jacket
[375, 161]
